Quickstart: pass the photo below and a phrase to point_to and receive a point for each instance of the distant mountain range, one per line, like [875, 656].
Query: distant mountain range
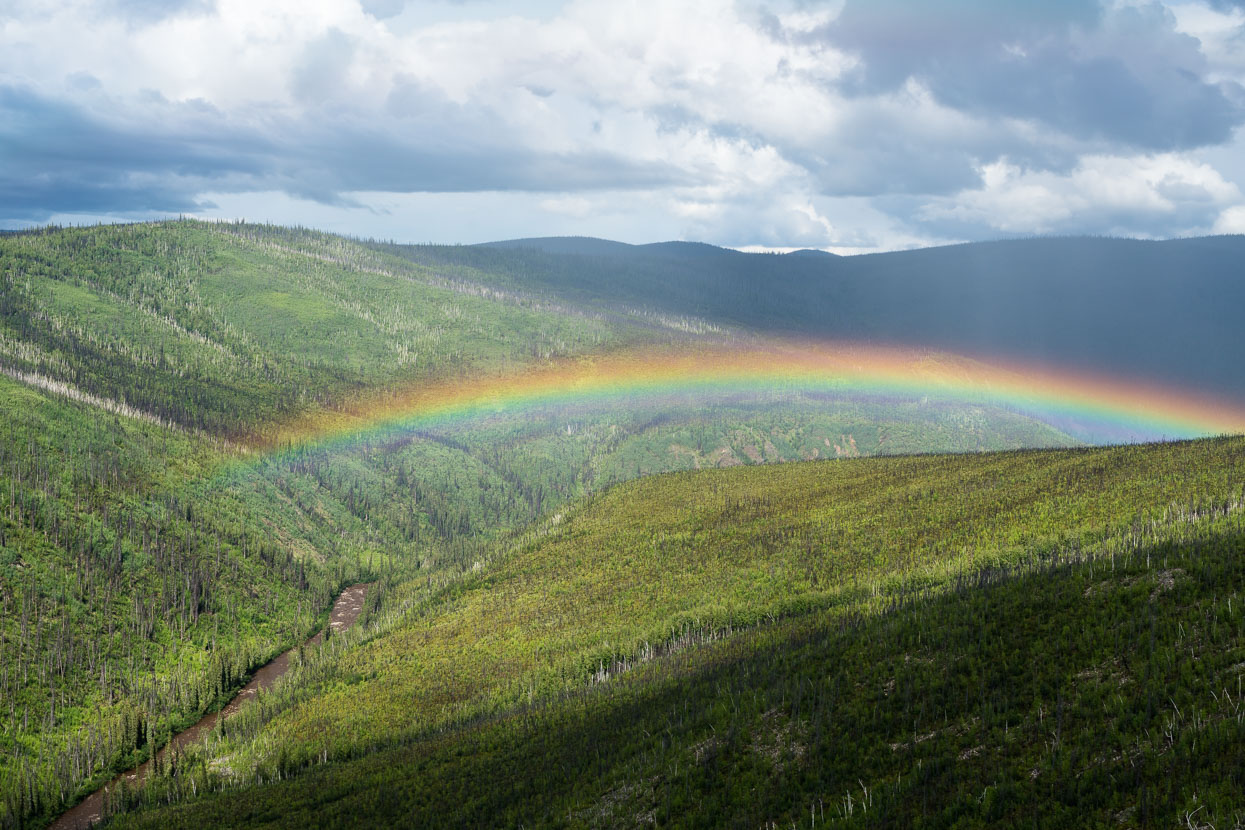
[1167, 311]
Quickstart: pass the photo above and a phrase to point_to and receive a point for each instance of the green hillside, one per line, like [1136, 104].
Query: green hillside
[146, 564]
[227, 327]
[889, 474]
[151, 554]
[1049, 635]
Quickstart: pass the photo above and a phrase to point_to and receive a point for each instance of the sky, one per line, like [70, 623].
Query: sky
[852, 126]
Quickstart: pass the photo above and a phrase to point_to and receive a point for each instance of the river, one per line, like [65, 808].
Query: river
[89, 811]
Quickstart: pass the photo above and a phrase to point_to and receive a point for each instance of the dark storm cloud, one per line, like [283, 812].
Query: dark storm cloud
[341, 155]
[60, 157]
[57, 157]
[1122, 75]
[327, 112]
[884, 163]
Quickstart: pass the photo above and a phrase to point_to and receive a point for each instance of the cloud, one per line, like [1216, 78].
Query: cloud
[336, 108]
[320, 72]
[57, 157]
[1232, 220]
[149, 11]
[1121, 74]
[1156, 195]
[1220, 31]
[63, 157]
[1227, 5]
[383, 9]
[769, 122]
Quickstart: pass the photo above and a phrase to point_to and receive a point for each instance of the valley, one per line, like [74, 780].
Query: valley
[760, 414]
[580, 512]
[882, 640]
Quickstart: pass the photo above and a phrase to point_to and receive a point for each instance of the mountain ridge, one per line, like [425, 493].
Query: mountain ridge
[1132, 308]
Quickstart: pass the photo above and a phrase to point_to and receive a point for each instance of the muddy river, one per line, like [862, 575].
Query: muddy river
[345, 611]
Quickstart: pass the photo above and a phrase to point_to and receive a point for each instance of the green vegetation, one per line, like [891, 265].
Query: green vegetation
[146, 567]
[149, 561]
[225, 328]
[130, 599]
[1049, 635]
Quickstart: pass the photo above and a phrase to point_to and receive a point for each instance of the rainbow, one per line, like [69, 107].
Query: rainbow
[1094, 405]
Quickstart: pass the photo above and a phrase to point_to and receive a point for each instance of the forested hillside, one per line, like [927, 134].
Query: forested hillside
[1051, 635]
[529, 528]
[153, 552]
[227, 328]
[147, 565]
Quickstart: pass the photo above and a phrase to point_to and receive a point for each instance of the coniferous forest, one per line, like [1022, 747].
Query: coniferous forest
[802, 610]
[758, 414]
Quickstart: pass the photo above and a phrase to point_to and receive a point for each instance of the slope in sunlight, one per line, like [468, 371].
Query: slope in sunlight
[723, 634]
[153, 552]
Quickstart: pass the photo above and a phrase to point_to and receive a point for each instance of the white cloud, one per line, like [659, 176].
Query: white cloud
[1221, 34]
[739, 123]
[1231, 220]
[1136, 195]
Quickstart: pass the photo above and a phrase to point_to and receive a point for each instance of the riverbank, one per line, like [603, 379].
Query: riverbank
[89, 811]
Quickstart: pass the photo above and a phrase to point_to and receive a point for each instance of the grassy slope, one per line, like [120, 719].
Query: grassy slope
[1069, 697]
[143, 570]
[488, 685]
[225, 328]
